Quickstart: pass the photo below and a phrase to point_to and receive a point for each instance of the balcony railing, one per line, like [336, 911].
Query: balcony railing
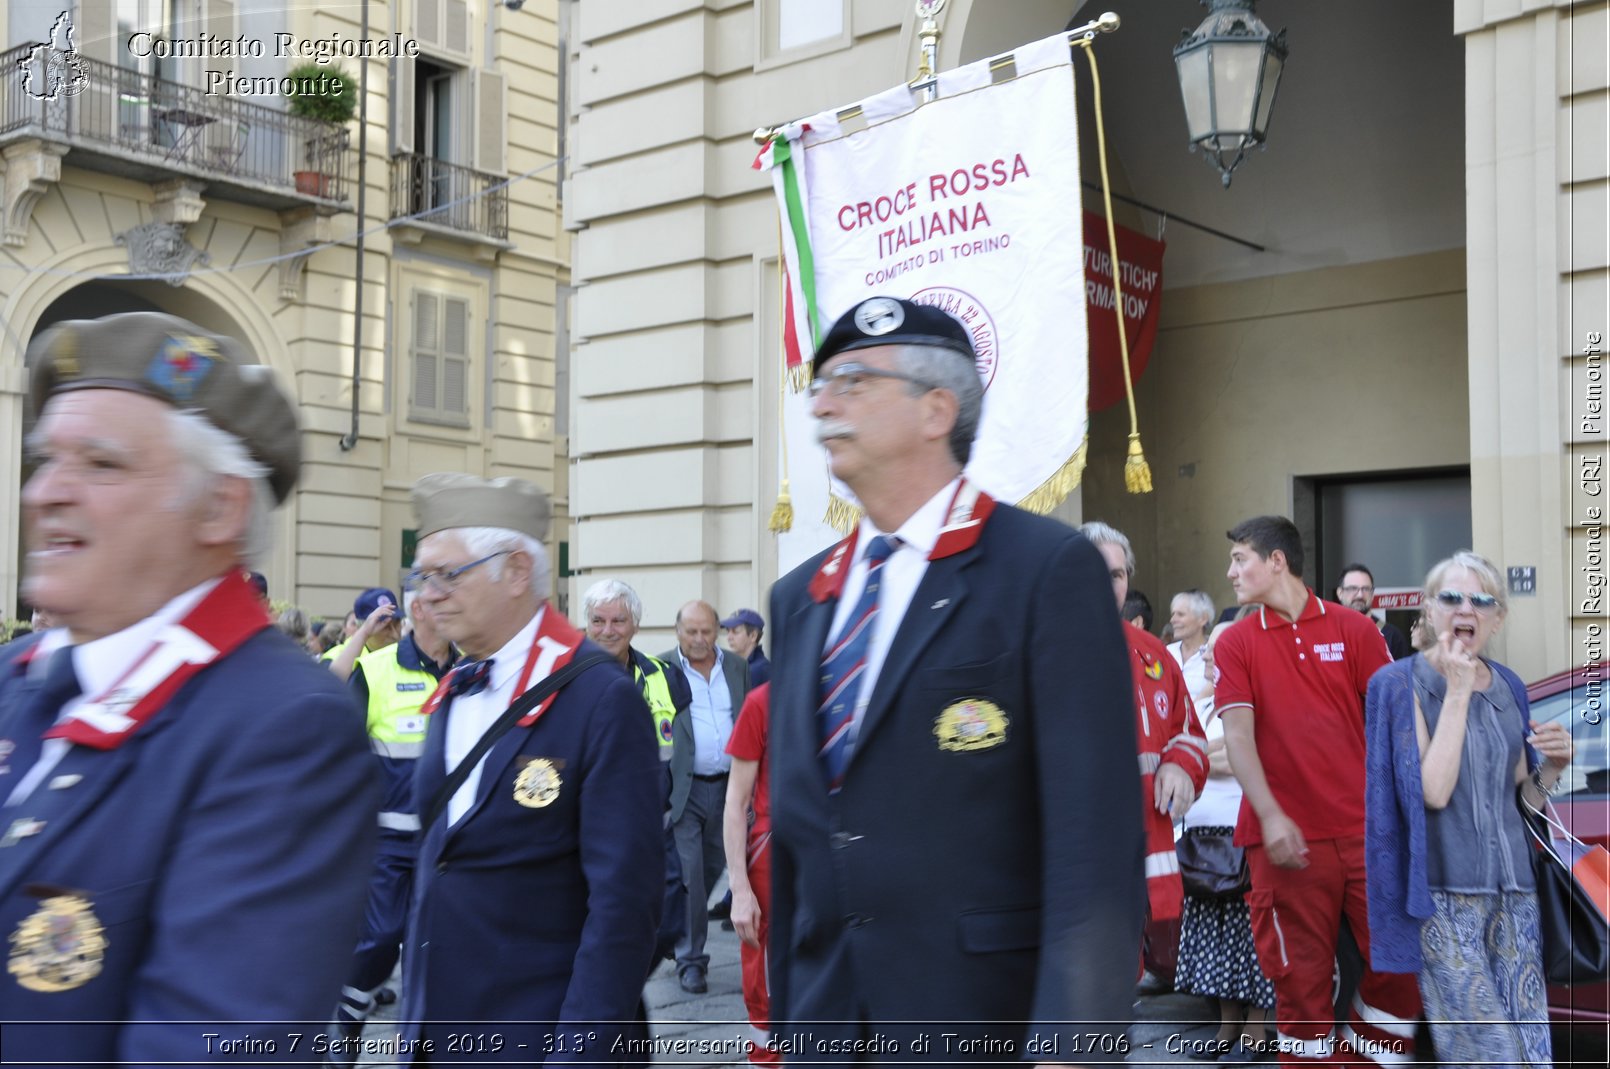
[450, 195]
[172, 127]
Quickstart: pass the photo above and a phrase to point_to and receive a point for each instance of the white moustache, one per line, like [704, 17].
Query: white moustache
[830, 429]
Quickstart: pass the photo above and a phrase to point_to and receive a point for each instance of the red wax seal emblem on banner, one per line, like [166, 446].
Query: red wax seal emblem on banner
[975, 317]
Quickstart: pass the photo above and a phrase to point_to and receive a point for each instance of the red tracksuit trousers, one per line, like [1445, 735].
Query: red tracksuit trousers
[1296, 920]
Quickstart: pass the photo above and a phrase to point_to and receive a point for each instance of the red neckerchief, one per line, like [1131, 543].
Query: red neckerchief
[553, 647]
[230, 614]
[964, 523]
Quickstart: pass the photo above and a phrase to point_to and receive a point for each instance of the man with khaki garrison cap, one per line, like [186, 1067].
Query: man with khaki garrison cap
[185, 828]
[538, 884]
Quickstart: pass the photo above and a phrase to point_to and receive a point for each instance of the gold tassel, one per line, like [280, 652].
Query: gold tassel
[1137, 473]
[799, 377]
[842, 516]
[782, 513]
[1051, 493]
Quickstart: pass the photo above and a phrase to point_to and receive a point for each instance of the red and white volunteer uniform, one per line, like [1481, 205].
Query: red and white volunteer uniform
[748, 743]
[1168, 733]
[1305, 684]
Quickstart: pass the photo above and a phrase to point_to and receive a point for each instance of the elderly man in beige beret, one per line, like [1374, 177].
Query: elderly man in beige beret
[540, 869]
[186, 803]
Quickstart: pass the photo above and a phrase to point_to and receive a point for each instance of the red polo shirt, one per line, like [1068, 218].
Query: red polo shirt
[748, 742]
[1305, 683]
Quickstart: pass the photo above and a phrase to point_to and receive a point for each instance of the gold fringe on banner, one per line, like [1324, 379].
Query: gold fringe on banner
[1051, 493]
[799, 377]
[842, 515]
[1137, 473]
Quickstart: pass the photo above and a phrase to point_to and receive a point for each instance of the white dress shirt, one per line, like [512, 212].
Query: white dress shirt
[711, 715]
[470, 715]
[902, 573]
[99, 664]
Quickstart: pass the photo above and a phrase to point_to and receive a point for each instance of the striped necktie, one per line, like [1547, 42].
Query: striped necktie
[844, 665]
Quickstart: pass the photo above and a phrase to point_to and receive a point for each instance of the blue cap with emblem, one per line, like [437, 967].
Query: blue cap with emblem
[891, 321]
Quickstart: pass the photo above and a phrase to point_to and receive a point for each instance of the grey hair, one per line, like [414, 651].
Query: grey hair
[1102, 534]
[485, 541]
[1198, 602]
[1484, 570]
[212, 453]
[939, 368]
[607, 590]
[293, 622]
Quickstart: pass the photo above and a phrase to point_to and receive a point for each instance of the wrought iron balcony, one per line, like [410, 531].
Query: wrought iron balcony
[433, 191]
[119, 121]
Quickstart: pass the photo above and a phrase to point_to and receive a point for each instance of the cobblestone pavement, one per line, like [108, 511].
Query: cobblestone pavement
[710, 1029]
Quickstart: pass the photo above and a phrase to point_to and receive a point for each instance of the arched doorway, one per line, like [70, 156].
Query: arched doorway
[90, 300]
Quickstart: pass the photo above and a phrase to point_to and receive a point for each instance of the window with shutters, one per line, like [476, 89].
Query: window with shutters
[440, 359]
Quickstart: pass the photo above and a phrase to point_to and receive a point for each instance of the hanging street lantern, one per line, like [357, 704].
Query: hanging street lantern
[1229, 69]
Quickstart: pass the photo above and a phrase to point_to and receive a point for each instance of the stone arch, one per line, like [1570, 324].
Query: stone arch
[71, 284]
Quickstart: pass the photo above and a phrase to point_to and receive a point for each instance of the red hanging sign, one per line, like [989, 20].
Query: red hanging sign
[1141, 278]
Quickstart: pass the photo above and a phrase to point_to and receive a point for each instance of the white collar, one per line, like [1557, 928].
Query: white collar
[921, 529]
[101, 662]
[508, 661]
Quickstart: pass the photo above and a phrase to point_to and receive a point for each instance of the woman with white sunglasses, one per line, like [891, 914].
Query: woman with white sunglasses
[1451, 893]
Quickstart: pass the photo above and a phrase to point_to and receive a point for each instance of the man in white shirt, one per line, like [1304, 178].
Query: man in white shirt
[955, 836]
[186, 802]
[540, 869]
[699, 767]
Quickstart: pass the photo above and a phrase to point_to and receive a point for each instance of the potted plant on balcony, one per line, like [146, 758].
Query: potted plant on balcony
[328, 95]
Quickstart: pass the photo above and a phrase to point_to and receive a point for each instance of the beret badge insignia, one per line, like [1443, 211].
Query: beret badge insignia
[878, 316]
[181, 365]
[58, 947]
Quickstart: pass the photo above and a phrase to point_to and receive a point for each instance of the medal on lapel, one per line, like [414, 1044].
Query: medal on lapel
[59, 946]
[537, 785]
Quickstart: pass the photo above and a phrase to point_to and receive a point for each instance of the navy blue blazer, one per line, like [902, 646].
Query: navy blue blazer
[543, 914]
[981, 867]
[224, 849]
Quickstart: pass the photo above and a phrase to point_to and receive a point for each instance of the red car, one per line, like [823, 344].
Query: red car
[1581, 699]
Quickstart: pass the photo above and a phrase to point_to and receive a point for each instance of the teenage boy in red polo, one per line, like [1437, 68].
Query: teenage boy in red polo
[1290, 682]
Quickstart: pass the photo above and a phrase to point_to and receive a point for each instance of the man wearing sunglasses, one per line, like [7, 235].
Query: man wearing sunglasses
[541, 867]
[951, 703]
[1290, 682]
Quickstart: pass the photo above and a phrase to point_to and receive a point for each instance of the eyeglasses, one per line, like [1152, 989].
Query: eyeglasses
[848, 379]
[1350, 590]
[446, 582]
[1453, 599]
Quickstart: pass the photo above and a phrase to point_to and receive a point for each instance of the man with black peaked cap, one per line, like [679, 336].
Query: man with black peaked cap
[950, 709]
[541, 870]
[186, 803]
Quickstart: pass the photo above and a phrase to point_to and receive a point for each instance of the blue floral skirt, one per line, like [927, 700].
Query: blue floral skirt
[1482, 980]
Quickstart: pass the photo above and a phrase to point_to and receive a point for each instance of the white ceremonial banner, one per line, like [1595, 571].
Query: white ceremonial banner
[970, 203]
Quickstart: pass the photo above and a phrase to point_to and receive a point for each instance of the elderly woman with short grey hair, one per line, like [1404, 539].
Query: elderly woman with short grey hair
[1449, 745]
